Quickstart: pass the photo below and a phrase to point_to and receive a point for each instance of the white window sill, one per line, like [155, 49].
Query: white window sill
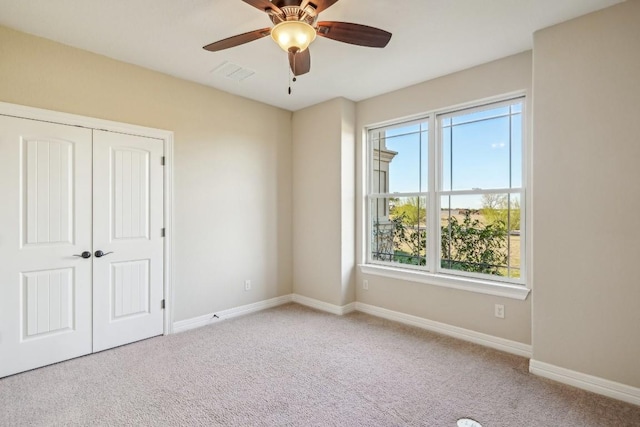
[519, 292]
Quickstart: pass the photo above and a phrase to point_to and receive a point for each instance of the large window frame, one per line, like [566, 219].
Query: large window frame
[430, 270]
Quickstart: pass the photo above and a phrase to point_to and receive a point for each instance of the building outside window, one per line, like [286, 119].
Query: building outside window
[446, 193]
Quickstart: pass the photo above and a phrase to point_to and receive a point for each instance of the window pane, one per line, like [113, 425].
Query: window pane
[379, 173]
[477, 155]
[474, 234]
[516, 151]
[424, 153]
[445, 136]
[515, 249]
[401, 154]
[480, 114]
[516, 107]
[402, 129]
[398, 230]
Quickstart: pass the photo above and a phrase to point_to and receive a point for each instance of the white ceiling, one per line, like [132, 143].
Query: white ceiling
[431, 38]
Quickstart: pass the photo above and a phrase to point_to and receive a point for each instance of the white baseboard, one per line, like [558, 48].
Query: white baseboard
[502, 344]
[587, 382]
[324, 306]
[208, 319]
[442, 328]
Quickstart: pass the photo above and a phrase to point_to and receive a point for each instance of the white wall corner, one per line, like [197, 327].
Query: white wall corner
[348, 200]
[208, 319]
[587, 382]
[486, 340]
[324, 306]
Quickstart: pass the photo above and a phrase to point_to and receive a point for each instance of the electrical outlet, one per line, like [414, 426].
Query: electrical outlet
[499, 311]
[247, 285]
[365, 285]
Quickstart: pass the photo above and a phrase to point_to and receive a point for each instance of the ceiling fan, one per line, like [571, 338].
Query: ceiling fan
[296, 26]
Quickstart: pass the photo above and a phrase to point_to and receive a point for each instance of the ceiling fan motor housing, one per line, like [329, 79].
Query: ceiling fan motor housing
[295, 13]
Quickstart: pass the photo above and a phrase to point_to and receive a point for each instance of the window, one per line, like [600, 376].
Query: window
[446, 193]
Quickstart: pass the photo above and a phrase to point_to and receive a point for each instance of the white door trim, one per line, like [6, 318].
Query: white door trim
[22, 111]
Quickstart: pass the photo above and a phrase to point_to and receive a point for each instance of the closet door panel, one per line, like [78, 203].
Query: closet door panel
[128, 221]
[45, 182]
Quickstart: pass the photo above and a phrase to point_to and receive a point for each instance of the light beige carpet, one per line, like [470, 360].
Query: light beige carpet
[293, 366]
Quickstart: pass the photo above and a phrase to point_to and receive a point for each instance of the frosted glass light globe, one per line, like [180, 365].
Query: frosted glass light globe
[293, 34]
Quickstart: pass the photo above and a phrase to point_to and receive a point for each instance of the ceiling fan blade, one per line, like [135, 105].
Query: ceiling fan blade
[237, 40]
[319, 5]
[300, 62]
[264, 5]
[361, 35]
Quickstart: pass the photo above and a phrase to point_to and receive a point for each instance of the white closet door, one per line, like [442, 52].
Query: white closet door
[127, 227]
[45, 219]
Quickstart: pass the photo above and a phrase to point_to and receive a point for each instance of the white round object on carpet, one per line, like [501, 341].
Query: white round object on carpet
[468, 422]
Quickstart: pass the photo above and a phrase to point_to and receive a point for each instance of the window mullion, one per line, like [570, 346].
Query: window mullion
[433, 210]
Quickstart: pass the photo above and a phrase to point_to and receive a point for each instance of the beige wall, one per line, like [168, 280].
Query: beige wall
[323, 201]
[232, 164]
[455, 307]
[587, 197]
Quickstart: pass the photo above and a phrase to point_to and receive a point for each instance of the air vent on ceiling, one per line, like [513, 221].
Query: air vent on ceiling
[233, 71]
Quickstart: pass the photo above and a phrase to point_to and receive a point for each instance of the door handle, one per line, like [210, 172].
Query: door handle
[85, 254]
[100, 254]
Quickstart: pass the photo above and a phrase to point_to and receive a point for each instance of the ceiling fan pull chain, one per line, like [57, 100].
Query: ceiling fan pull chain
[295, 55]
[291, 77]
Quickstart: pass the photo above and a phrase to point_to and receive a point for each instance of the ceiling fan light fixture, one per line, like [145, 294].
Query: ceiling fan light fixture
[294, 35]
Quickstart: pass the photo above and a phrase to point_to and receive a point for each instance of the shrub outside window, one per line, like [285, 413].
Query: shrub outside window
[446, 193]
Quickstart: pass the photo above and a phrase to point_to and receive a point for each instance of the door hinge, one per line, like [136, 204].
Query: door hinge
[162, 232]
[162, 160]
[162, 304]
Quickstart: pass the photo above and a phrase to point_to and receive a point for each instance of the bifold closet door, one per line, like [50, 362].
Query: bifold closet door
[45, 228]
[127, 239]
